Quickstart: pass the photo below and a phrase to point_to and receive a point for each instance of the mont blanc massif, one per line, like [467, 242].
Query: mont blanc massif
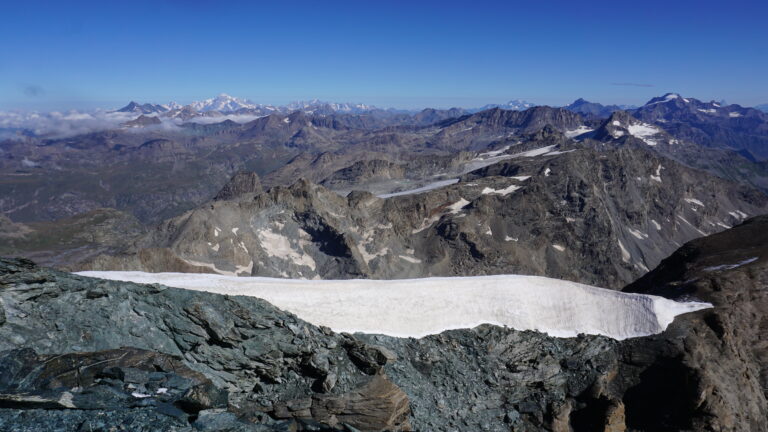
[232, 266]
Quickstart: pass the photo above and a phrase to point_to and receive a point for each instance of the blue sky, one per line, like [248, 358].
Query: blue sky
[410, 54]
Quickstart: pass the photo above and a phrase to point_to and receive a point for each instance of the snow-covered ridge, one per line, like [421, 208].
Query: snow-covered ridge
[420, 307]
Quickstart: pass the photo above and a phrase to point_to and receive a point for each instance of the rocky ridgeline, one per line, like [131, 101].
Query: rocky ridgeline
[600, 217]
[88, 353]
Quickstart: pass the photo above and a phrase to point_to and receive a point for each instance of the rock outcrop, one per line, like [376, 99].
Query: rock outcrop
[600, 217]
[705, 372]
[243, 182]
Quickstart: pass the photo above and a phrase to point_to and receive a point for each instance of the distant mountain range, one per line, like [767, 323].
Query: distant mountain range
[226, 104]
[763, 107]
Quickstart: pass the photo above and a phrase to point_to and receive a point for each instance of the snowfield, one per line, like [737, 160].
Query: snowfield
[420, 307]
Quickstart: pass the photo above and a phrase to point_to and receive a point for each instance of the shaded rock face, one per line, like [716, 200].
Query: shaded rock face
[569, 212]
[705, 372]
[121, 378]
[244, 182]
[730, 270]
[65, 335]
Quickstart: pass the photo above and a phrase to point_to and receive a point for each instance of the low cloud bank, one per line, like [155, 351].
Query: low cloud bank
[55, 124]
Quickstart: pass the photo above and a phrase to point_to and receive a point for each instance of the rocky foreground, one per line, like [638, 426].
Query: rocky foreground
[87, 354]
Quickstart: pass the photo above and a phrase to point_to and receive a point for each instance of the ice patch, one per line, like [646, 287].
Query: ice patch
[429, 187]
[731, 266]
[535, 152]
[420, 307]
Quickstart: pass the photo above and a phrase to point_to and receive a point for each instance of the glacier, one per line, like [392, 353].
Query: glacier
[420, 307]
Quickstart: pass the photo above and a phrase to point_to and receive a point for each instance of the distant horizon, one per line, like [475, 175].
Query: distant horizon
[408, 55]
[114, 105]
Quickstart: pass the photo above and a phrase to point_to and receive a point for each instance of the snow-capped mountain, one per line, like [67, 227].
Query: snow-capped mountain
[316, 106]
[513, 105]
[223, 103]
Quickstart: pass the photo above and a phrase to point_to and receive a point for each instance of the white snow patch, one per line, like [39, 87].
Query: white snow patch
[521, 178]
[508, 238]
[547, 172]
[420, 307]
[493, 153]
[724, 225]
[625, 256]
[616, 123]
[162, 390]
[138, 395]
[558, 247]
[656, 224]
[735, 114]
[694, 201]
[708, 111]
[657, 176]
[731, 266]
[216, 231]
[638, 234]
[691, 225]
[503, 192]
[279, 246]
[235, 230]
[457, 206]
[410, 259]
[643, 131]
[581, 130]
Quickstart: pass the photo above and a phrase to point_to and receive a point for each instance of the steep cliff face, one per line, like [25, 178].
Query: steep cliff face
[729, 270]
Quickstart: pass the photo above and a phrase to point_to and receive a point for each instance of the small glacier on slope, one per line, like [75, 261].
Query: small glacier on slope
[420, 307]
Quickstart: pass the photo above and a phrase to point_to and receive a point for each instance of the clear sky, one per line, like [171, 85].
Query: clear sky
[411, 54]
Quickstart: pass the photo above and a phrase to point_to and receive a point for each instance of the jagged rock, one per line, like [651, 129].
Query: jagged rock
[378, 405]
[197, 346]
[242, 183]
[705, 372]
[111, 379]
[600, 217]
